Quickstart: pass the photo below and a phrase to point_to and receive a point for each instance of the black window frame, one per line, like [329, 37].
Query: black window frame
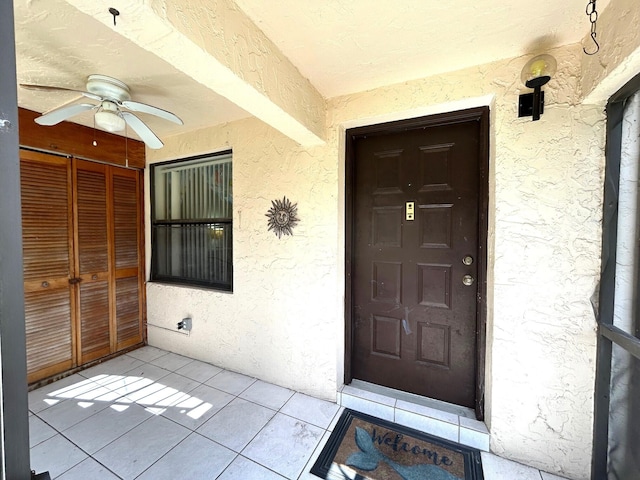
[155, 276]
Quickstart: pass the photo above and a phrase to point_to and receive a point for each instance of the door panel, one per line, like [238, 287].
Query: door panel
[128, 278]
[47, 252]
[94, 316]
[128, 311]
[92, 259]
[414, 320]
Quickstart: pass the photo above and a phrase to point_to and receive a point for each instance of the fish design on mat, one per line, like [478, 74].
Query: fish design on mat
[369, 457]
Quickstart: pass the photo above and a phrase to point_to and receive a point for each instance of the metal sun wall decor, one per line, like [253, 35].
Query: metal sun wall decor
[282, 216]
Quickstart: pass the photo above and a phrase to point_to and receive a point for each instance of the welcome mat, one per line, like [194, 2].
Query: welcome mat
[363, 447]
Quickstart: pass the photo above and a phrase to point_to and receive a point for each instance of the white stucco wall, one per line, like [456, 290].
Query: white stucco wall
[619, 57]
[546, 196]
[284, 321]
[279, 324]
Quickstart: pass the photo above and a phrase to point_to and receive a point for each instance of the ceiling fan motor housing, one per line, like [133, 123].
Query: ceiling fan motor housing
[108, 88]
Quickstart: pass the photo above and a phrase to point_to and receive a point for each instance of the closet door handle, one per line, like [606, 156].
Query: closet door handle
[73, 281]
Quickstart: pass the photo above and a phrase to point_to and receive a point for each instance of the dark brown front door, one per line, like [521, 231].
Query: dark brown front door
[416, 256]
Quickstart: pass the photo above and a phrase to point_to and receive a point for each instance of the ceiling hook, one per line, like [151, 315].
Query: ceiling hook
[593, 37]
[592, 13]
[115, 13]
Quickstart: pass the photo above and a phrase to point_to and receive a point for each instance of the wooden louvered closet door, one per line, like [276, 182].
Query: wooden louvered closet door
[48, 263]
[83, 261]
[127, 231]
[92, 259]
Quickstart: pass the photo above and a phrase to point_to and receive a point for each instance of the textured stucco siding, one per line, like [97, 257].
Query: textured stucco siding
[284, 322]
[544, 251]
[619, 56]
[279, 324]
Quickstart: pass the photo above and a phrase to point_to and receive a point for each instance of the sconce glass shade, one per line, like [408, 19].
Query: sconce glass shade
[538, 71]
[109, 121]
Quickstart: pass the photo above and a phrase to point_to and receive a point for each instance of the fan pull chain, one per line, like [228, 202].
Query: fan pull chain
[126, 146]
[95, 142]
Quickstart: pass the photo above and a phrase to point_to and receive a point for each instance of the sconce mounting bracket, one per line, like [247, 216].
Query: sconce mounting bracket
[525, 104]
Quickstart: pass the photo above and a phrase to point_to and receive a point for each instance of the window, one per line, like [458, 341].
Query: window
[192, 222]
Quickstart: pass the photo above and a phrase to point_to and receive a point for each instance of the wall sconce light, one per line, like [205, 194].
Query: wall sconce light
[536, 73]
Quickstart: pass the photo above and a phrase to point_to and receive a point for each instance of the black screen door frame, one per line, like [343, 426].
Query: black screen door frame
[14, 416]
[608, 334]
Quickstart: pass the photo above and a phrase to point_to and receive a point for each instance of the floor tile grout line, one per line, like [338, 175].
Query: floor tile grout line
[197, 384]
[257, 463]
[319, 446]
[107, 444]
[279, 411]
[61, 433]
[303, 420]
[49, 395]
[152, 416]
[260, 431]
[323, 429]
[368, 400]
[73, 424]
[178, 423]
[396, 408]
[153, 381]
[192, 432]
[235, 396]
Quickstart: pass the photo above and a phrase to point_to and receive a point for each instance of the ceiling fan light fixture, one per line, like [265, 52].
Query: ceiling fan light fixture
[109, 121]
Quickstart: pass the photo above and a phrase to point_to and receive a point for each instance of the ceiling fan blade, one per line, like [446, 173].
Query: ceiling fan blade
[58, 115]
[48, 88]
[158, 112]
[144, 132]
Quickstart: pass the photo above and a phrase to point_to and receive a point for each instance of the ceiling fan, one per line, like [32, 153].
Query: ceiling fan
[111, 113]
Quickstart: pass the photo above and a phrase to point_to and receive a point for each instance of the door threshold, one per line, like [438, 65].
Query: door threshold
[435, 417]
[413, 398]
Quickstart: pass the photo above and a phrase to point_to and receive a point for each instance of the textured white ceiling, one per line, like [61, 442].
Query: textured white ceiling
[341, 46]
[345, 46]
[58, 45]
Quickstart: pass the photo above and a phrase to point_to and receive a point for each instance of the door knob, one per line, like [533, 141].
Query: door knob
[468, 280]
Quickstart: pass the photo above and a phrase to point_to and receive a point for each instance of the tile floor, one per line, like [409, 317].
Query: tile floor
[152, 414]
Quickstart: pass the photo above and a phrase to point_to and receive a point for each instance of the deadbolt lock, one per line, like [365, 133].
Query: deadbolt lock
[410, 210]
[467, 260]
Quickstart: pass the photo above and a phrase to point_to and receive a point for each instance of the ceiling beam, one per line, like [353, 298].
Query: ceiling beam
[216, 44]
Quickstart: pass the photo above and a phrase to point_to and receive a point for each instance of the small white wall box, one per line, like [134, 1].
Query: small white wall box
[185, 324]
